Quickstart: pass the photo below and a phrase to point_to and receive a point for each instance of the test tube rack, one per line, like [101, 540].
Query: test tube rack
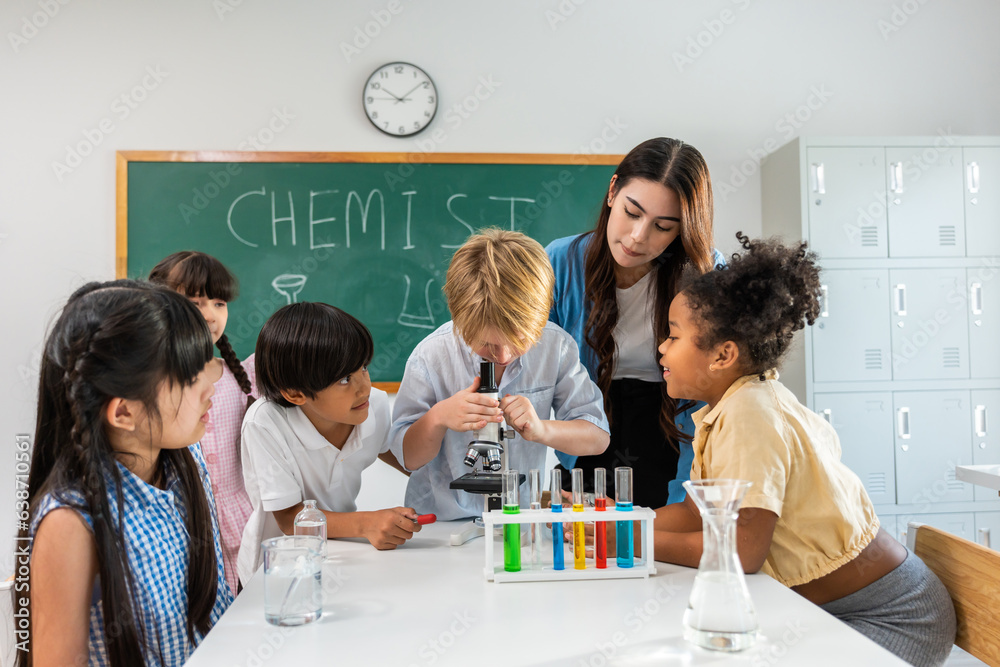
[641, 569]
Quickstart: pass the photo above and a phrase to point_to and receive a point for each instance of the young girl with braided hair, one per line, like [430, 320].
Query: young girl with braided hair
[806, 520]
[125, 563]
[209, 285]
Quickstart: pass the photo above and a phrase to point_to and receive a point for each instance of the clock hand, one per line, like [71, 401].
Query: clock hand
[386, 90]
[406, 96]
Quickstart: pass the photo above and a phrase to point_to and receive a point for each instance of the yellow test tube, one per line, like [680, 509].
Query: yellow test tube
[579, 554]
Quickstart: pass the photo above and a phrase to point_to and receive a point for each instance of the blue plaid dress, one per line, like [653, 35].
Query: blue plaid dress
[157, 542]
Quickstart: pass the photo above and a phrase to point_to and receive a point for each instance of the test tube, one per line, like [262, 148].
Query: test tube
[600, 527]
[511, 531]
[579, 555]
[623, 503]
[555, 486]
[535, 496]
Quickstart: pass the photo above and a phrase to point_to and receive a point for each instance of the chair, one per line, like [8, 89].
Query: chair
[971, 573]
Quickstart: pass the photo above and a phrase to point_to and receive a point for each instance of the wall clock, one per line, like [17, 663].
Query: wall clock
[400, 99]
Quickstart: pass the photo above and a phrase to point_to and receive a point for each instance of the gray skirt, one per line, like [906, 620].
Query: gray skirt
[908, 612]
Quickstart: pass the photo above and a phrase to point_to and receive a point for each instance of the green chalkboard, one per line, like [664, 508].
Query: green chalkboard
[369, 233]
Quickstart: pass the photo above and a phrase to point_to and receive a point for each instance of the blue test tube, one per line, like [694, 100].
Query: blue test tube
[555, 486]
[623, 503]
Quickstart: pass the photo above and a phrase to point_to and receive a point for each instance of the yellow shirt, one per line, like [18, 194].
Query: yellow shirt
[761, 433]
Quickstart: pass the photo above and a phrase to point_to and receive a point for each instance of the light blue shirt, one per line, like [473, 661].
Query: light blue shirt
[159, 554]
[549, 375]
[570, 310]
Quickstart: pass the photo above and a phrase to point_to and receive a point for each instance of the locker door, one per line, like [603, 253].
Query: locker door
[933, 434]
[926, 207]
[984, 318]
[847, 201]
[962, 524]
[930, 338]
[851, 336]
[864, 425]
[988, 529]
[982, 200]
[985, 418]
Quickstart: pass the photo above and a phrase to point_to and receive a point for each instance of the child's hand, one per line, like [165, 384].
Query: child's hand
[467, 410]
[521, 415]
[387, 529]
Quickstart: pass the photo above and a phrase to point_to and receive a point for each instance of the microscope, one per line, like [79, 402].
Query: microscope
[487, 444]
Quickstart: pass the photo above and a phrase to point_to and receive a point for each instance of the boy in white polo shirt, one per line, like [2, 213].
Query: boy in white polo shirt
[321, 425]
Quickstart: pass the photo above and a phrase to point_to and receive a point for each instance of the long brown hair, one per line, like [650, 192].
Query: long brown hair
[681, 168]
[119, 339]
[195, 274]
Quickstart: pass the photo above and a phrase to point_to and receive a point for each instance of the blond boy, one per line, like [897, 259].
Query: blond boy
[499, 291]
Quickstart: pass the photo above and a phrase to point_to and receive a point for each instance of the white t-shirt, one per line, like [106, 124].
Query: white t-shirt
[286, 461]
[634, 337]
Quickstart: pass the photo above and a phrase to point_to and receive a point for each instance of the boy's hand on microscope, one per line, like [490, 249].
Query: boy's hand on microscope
[521, 415]
[468, 410]
[387, 529]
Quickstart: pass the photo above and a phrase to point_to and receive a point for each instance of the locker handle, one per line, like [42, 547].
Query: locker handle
[896, 176]
[972, 170]
[980, 421]
[825, 307]
[984, 537]
[827, 415]
[976, 298]
[818, 180]
[899, 296]
[903, 423]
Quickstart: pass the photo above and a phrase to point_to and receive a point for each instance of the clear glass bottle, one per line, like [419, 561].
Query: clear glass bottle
[311, 521]
[720, 615]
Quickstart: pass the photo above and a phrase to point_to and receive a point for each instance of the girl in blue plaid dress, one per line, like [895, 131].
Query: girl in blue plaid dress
[125, 563]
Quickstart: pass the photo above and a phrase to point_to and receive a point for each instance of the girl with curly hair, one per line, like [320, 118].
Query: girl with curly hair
[806, 520]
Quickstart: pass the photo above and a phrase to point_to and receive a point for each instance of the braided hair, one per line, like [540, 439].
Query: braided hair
[195, 274]
[119, 339]
[758, 301]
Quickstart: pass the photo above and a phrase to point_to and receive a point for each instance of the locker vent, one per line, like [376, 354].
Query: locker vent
[869, 236]
[952, 357]
[954, 484]
[876, 483]
[947, 235]
[873, 359]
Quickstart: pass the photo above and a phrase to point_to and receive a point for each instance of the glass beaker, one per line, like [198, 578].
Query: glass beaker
[293, 585]
[720, 615]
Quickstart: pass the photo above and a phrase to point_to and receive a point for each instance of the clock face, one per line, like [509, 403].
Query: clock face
[400, 99]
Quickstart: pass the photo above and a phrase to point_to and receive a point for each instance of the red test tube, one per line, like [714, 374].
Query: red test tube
[600, 527]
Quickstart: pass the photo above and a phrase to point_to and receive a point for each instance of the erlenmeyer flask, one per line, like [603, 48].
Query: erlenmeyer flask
[720, 615]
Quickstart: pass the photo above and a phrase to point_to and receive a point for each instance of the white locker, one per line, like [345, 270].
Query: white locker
[983, 307]
[929, 325]
[926, 204]
[933, 434]
[847, 201]
[982, 200]
[851, 336]
[962, 524]
[985, 417]
[988, 529]
[863, 422]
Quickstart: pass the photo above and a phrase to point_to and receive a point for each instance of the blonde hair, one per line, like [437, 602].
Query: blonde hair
[503, 281]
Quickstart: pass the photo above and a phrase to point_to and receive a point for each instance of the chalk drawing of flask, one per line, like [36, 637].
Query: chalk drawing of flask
[289, 285]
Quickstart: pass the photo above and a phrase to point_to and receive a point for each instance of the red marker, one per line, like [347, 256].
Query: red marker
[425, 519]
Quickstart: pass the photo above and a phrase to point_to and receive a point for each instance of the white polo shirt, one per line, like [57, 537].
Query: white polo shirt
[286, 461]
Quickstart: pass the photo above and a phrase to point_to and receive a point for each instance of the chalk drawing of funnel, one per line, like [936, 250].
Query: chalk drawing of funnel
[289, 285]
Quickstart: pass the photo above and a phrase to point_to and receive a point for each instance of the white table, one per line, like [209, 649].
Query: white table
[428, 603]
[982, 475]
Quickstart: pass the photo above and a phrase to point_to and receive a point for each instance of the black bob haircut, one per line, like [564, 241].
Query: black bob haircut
[307, 347]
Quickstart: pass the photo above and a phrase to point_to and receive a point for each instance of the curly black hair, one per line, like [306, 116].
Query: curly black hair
[758, 301]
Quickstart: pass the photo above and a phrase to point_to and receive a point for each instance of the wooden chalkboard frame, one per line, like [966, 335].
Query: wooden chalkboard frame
[124, 158]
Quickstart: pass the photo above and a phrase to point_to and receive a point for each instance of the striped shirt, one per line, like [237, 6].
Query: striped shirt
[221, 445]
[157, 542]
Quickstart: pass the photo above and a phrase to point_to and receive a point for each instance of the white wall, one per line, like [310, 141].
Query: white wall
[565, 73]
